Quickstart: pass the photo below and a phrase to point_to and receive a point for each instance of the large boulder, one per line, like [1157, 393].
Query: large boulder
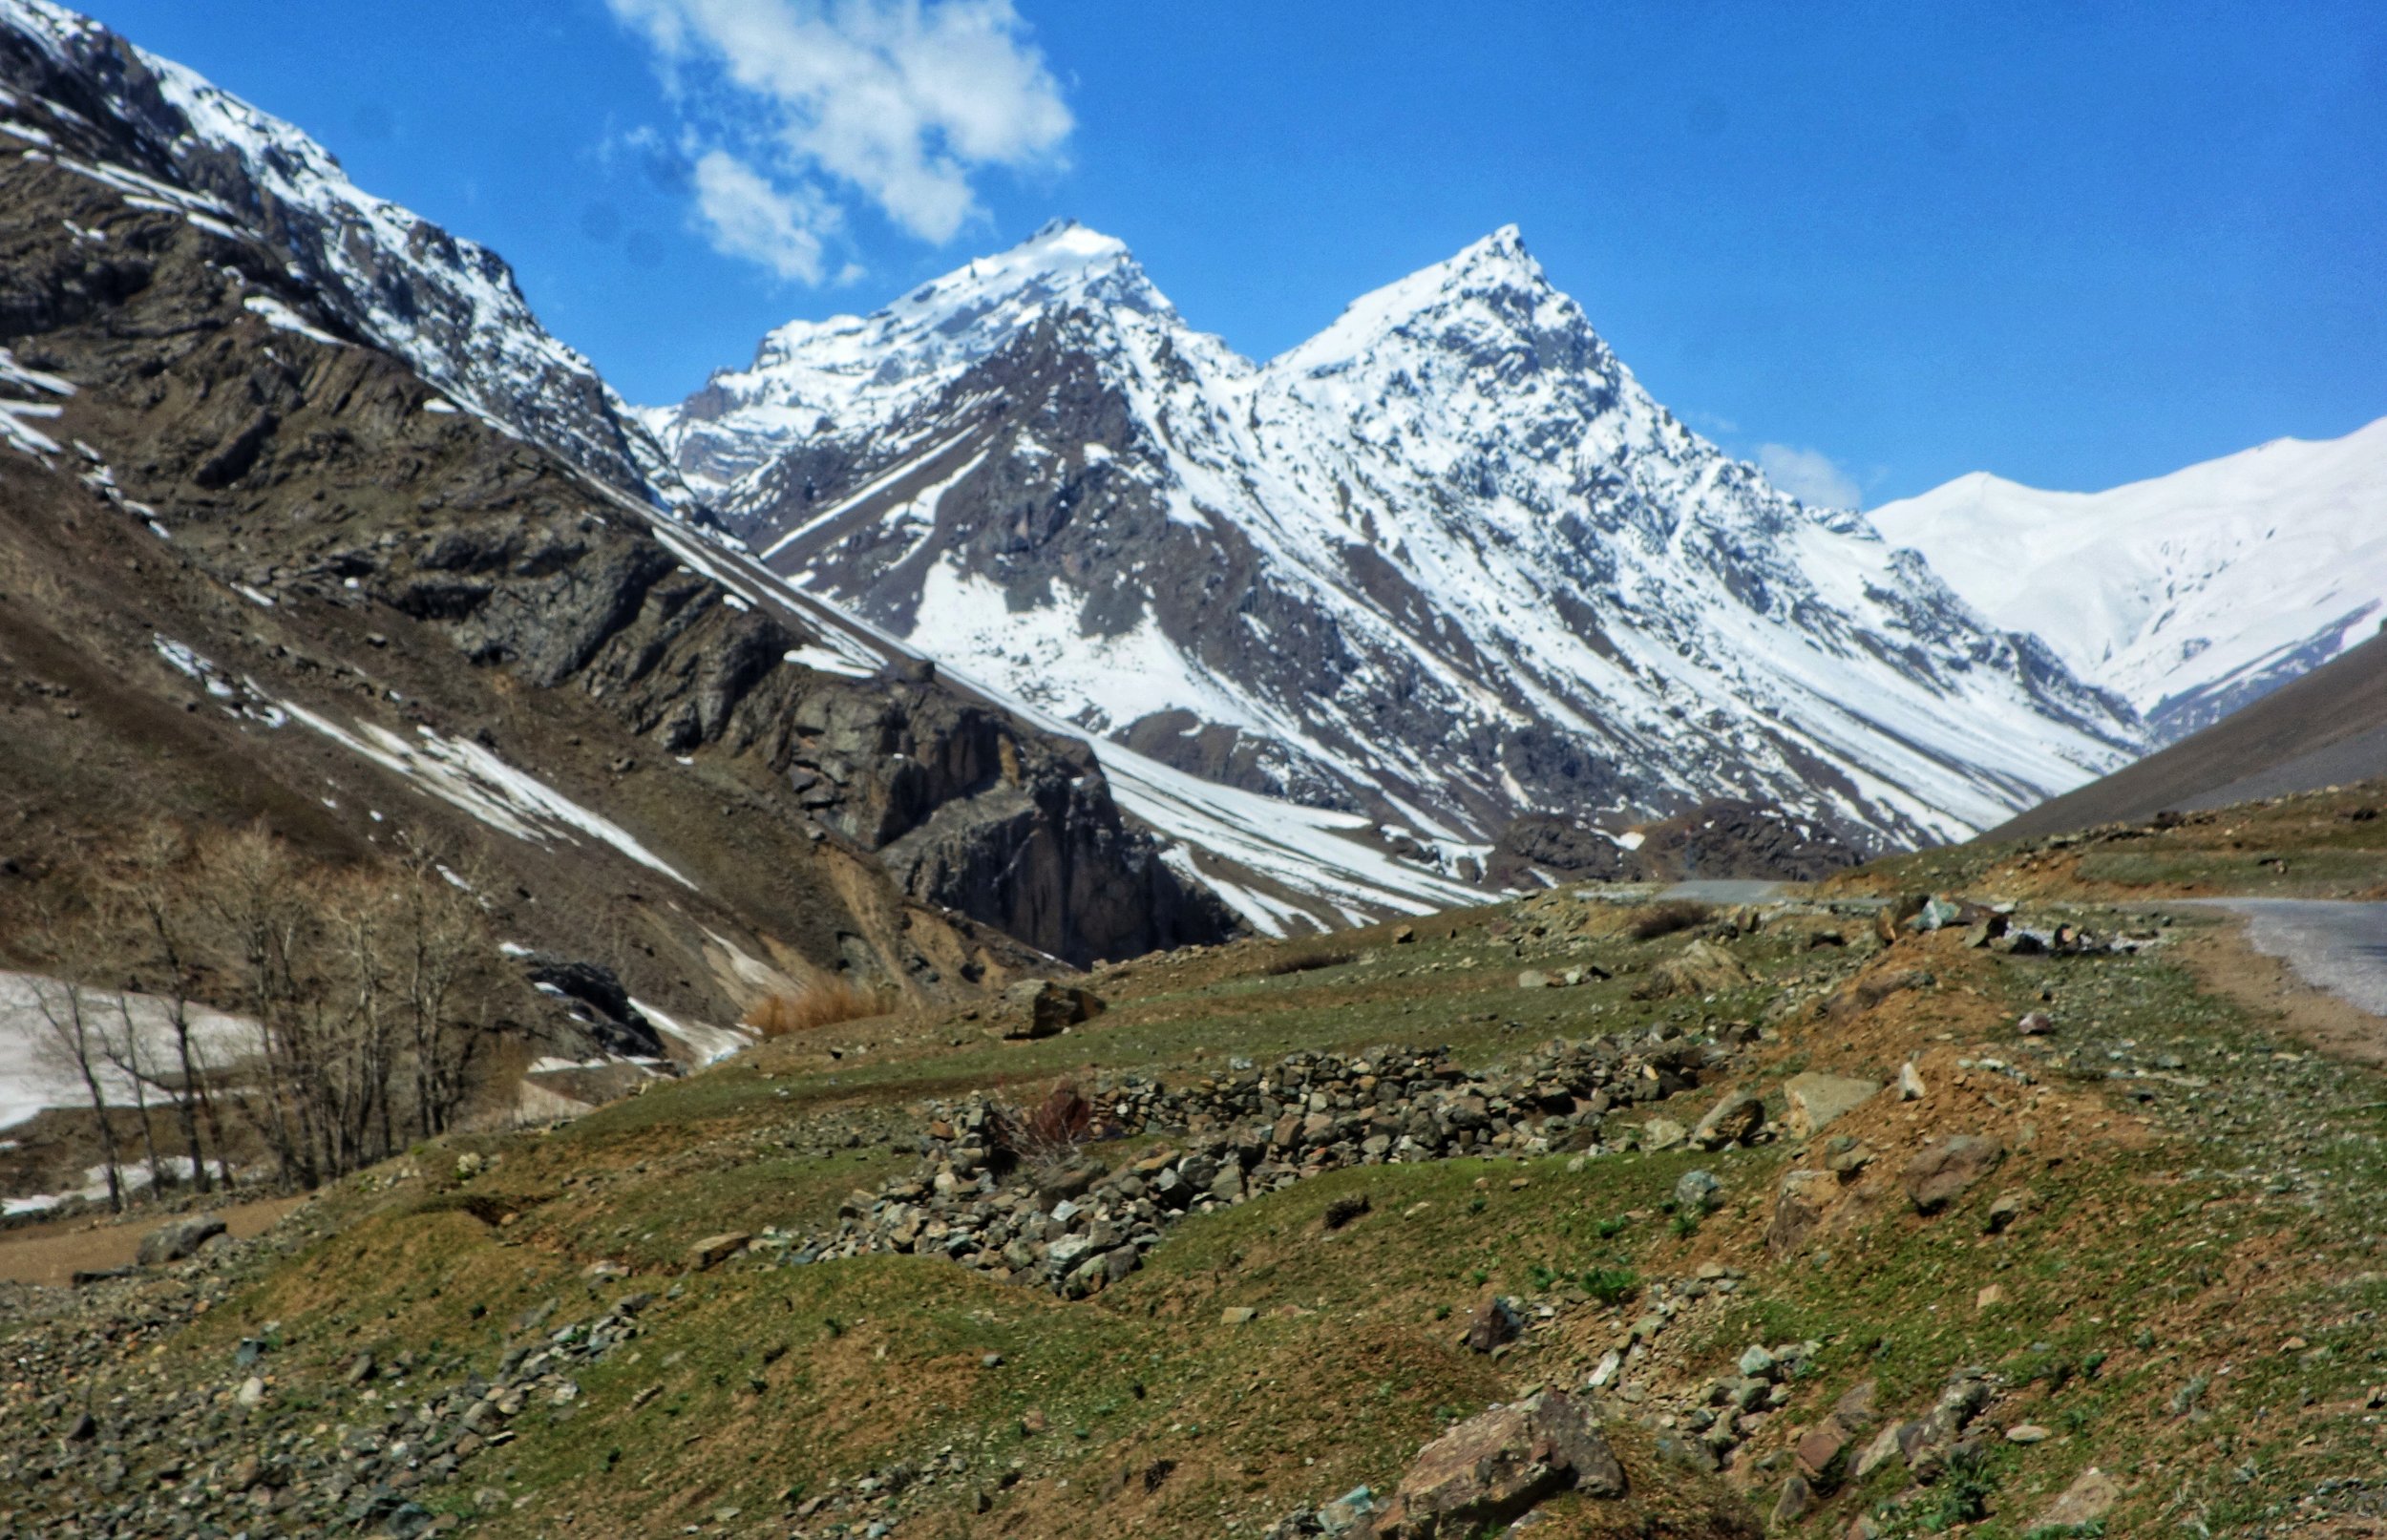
[1040, 1007]
[1497, 1467]
[598, 1001]
[1943, 1171]
[177, 1238]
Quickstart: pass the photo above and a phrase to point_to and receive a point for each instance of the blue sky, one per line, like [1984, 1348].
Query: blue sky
[1884, 245]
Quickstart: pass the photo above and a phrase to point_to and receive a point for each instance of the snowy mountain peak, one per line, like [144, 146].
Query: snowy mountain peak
[1446, 562]
[1492, 285]
[810, 378]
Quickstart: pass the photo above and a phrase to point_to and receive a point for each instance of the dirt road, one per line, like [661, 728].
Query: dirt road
[52, 1253]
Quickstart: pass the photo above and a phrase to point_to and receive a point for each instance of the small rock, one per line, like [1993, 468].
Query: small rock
[252, 1392]
[1910, 1087]
[1942, 1172]
[1238, 1315]
[1990, 1298]
[1494, 1324]
[1662, 1134]
[1757, 1364]
[2003, 1212]
[1817, 1100]
[1533, 979]
[2028, 1433]
[2036, 1024]
[715, 1250]
[1736, 1120]
[1694, 1190]
[2083, 1503]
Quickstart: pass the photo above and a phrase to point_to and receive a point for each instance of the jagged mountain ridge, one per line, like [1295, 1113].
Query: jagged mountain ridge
[582, 664]
[2192, 594]
[1445, 563]
[448, 306]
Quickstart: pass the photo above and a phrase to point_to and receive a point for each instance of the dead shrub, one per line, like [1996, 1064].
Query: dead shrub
[1310, 961]
[1044, 1132]
[1654, 920]
[823, 1003]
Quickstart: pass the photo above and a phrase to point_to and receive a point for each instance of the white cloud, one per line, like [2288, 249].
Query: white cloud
[750, 218]
[1808, 475]
[900, 101]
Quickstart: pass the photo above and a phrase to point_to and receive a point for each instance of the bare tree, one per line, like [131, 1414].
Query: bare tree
[169, 965]
[260, 919]
[73, 1043]
[445, 984]
[121, 1045]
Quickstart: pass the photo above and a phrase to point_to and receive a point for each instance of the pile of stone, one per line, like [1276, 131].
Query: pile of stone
[1057, 1215]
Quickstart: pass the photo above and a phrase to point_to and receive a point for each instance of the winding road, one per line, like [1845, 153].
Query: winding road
[2336, 945]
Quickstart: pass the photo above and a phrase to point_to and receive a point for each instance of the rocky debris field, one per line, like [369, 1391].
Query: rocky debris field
[1846, 1231]
[1056, 1214]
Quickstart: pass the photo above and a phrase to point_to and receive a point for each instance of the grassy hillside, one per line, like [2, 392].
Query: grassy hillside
[2170, 1274]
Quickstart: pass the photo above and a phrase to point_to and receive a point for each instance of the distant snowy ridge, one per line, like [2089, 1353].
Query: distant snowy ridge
[2192, 593]
[447, 305]
[1445, 563]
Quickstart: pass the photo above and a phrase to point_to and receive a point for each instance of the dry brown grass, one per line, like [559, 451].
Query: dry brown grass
[817, 1006]
[1653, 920]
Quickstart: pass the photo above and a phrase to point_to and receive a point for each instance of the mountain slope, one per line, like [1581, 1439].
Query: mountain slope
[2192, 594]
[1444, 564]
[2326, 727]
[313, 590]
[448, 306]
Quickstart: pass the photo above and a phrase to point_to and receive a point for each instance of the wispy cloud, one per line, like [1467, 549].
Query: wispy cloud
[1809, 475]
[792, 105]
[747, 217]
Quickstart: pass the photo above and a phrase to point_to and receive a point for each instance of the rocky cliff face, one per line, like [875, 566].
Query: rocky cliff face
[1446, 564]
[305, 534]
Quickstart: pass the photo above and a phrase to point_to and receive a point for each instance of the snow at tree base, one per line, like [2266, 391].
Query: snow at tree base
[1445, 563]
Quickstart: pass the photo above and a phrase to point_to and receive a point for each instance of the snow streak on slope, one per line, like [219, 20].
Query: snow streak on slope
[1445, 563]
[450, 307]
[1322, 876]
[2192, 593]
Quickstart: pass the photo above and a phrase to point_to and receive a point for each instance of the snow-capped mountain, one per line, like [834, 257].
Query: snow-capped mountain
[1445, 563]
[2192, 593]
[448, 306]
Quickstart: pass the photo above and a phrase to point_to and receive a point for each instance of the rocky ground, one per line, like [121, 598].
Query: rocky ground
[1597, 1219]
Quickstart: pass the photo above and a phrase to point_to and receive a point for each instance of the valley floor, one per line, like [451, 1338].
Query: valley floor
[2112, 1268]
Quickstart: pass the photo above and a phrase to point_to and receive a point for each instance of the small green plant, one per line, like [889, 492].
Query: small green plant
[835, 1327]
[1475, 1204]
[1686, 1223]
[1442, 1312]
[1478, 1277]
[1541, 1278]
[1960, 1496]
[1611, 1285]
[1610, 1228]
